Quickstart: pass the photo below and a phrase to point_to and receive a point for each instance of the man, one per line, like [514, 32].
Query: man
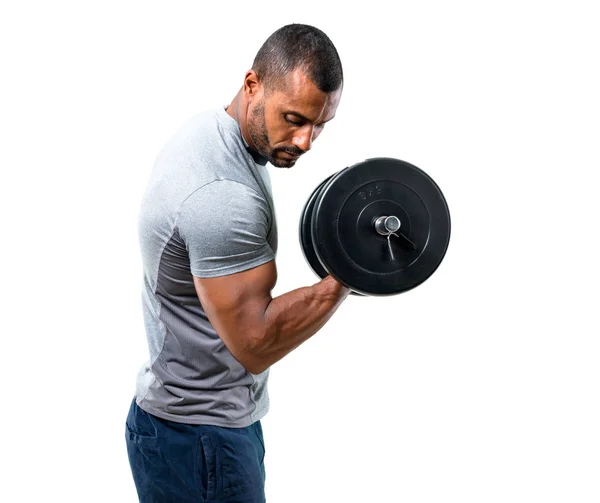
[208, 239]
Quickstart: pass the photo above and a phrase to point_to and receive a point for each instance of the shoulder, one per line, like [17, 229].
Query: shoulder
[225, 226]
[225, 196]
[225, 200]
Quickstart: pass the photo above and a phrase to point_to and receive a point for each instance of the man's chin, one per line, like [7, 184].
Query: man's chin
[283, 161]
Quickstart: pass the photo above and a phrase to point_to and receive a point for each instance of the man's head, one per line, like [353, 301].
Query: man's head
[292, 90]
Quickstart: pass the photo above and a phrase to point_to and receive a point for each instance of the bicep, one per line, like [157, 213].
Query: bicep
[225, 226]
[236, 304]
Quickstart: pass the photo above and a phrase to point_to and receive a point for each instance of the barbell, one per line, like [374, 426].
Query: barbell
[380, 227]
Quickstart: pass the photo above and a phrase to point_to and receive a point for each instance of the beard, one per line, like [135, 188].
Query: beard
[257, 129]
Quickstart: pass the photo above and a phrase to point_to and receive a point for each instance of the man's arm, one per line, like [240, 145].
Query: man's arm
[260, 330]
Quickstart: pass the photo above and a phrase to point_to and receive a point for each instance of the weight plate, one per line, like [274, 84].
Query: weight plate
[305, 235]
[344, 231]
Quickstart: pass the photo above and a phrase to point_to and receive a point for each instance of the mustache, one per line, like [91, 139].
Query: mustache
[292, 150]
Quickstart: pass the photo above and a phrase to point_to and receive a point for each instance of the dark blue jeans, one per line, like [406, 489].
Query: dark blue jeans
[181, 463]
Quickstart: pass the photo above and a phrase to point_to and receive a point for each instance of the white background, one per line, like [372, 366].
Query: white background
[481, 385]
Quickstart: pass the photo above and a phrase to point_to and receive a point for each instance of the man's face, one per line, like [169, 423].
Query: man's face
[284, 124]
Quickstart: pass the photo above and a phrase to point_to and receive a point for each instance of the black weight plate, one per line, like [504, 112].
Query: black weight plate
[306, 236]
[344, 236]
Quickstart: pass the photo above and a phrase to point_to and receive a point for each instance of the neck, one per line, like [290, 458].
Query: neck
[238, 109]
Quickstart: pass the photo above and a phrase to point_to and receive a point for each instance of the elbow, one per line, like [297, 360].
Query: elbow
[259, 369]
[253, 364]
[253, 355]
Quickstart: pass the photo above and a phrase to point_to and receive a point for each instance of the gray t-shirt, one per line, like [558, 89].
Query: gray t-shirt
[207, 211]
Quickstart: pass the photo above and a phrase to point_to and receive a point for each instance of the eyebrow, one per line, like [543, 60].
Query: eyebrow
[291, 112]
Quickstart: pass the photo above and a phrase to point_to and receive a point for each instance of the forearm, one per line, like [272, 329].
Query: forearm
[293, 318]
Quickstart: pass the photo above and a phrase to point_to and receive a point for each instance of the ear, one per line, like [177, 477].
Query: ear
[252, 85]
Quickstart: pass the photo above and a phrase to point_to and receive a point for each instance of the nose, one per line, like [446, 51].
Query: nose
[304, 138]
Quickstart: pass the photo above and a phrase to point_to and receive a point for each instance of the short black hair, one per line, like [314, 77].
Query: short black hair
[299, 46]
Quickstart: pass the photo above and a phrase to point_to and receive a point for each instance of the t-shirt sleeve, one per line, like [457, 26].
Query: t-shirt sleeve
[224, 226]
